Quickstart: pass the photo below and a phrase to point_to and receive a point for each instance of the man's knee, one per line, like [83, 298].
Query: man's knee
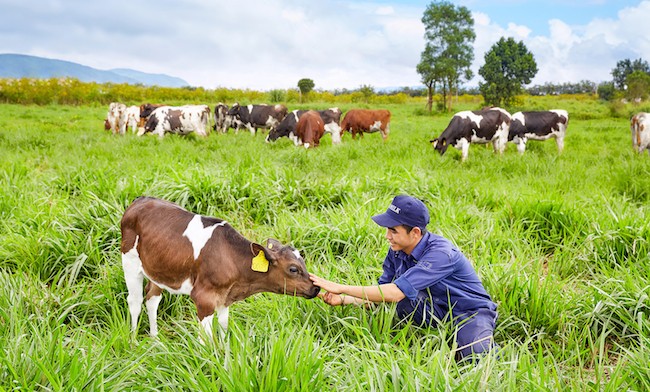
[475, 334]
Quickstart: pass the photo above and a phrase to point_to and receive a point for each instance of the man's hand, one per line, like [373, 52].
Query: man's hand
[331, 298]
[325, 284]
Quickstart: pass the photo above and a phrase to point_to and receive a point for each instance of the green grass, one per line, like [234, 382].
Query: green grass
[560, 241]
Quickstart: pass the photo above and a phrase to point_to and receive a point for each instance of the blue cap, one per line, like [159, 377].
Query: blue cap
[404, 210]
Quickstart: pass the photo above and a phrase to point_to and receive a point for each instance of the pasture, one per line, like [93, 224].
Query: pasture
[560, 242]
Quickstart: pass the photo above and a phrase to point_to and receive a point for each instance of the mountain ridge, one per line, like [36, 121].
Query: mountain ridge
[14, 65]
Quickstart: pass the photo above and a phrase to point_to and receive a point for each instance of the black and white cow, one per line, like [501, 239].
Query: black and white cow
[256, 116]
[478, 126]
[539, 125]
[287, 127]
[178, 119]
[221, 118]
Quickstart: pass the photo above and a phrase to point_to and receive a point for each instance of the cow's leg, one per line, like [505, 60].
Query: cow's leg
[252, 129]
[153, 297]
[521, 145]
[464, 148]
[499, 144]
[559, 140]
[206, 305]
[385, 131]
[133, 275]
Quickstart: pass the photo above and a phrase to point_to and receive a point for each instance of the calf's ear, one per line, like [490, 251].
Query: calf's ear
[273, 244]
[261, 259]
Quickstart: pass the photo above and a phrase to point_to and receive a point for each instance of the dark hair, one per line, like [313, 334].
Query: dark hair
[409, 228]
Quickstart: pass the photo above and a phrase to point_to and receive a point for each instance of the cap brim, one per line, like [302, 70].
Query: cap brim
[385, 220]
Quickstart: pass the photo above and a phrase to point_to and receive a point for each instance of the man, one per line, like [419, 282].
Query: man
[428, 277]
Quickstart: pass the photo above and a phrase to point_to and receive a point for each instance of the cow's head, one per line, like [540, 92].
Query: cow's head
[439, 144]
[285, 269]
[234, 110]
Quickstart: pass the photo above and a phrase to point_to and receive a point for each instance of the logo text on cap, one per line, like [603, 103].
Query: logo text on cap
[394, 208]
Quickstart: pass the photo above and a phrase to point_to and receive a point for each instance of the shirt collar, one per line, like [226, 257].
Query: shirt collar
[418, 251]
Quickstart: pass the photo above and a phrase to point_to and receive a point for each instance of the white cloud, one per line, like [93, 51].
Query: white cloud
[266, 44]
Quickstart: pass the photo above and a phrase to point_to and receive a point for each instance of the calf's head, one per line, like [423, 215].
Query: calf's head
[285, 269]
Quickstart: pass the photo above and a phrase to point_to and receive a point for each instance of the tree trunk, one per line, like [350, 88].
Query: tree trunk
[430, 97]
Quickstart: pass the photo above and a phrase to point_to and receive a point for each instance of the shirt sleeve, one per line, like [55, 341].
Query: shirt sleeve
[389, 270]
[431, 269]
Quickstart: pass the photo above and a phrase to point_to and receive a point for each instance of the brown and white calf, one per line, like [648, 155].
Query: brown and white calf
[358, 121]
[310, 129]
[204, 257]
[640, 126]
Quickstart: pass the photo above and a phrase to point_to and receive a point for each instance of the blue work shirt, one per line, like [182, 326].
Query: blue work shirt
[438, 271]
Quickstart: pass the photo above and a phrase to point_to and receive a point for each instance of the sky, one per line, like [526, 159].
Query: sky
[271, 44]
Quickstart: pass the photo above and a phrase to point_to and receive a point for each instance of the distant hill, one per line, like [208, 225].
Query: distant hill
[24, 66]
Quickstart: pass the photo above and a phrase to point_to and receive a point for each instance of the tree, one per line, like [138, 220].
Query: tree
[626, 67]
[606, 91]
[305, 85]
[447, 56]
[638, 85]
[508, 66]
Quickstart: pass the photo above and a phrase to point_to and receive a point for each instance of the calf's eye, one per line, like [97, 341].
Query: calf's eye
[293, 269]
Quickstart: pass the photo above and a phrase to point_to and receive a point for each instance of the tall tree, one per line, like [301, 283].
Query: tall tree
[447, 56]
[305, 85]
[508, 67]
[626, 67]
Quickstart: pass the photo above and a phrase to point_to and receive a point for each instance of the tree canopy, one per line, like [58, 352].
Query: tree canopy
[508, 67]
[448, 53]
[305, 86]
[625, 67]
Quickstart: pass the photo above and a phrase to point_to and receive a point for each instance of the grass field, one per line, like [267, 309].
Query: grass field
[561, 243]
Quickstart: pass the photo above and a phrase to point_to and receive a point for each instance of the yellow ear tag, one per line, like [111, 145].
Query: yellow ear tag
[260, 263]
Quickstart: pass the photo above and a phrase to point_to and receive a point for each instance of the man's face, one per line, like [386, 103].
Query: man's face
[401, 240]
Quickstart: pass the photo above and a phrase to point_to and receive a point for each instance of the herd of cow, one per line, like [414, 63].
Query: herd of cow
[304, 127]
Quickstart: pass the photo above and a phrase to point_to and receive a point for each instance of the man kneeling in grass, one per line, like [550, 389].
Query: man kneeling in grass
[427, 276]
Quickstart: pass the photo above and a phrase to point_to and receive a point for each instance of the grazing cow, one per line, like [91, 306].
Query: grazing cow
[640, 126]
[145, 111]
[221, 118]
[310, 129]
[179, 119]
[541, 125]
[132, 118]
[117, 117]
[478, 126]
[287, 127]
[204, 257]
[256, 116]
[358, 121]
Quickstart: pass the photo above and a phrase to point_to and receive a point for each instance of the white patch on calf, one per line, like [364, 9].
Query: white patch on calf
[375, 127]
[199, 235]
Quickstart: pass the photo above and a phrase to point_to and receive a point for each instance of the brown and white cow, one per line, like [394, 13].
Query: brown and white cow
[181, 120]
[253, 117]
[538, 125]
[287, 127]
[310, 129]
[132, 118]
[116, 117]
[640, 126]
[358, 121]
[203, 257]
[479, 126]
